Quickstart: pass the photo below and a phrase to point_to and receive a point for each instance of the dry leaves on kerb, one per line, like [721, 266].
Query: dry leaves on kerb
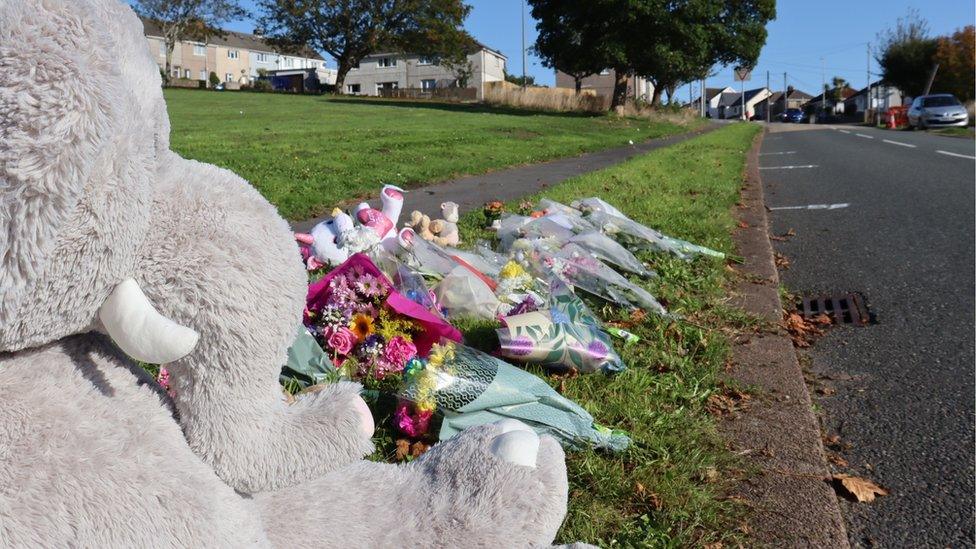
[862, 490]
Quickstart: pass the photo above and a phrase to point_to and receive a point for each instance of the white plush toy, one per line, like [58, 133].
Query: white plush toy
[332, 241]
[446, 230]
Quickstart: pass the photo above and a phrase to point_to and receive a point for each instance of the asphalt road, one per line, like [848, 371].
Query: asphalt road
[893, 218]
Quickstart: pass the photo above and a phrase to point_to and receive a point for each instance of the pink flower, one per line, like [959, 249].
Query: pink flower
[399, 351]
[163, 379]
[341, 340]
[412, 425]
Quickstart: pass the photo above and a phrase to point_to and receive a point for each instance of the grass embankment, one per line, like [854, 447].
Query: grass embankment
[667, 489]
[307, 153]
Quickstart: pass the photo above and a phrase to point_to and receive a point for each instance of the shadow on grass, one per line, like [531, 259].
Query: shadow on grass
[457, 107]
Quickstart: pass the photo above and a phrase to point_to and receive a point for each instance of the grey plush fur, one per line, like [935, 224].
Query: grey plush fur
[90, 454]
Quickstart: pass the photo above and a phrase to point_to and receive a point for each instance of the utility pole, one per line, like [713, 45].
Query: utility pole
[867, 91]
[786, 97]
[823, 81]
[768, 105]
[691, 95]
[742, 89]
[523, 44]
[928, 86]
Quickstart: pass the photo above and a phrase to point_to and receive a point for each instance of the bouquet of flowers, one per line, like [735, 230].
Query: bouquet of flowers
[367, 328]
[634, 235]
[563, 336]
[468, 388]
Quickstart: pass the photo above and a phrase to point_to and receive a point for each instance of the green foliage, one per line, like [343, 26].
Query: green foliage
[214, 79]
[668, 42]
[529, 80]
[307, 154]
[353, 29]
[666, 490]
[906, 52]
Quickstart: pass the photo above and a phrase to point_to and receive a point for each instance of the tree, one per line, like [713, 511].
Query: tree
[836, 94]
[668, 42]
[561, 43]
[955, 56]
[188, 19]
[905, 54]
[529, 80]
[349, 30]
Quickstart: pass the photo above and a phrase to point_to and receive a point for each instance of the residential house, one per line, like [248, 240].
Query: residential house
[603, 83]
[713, 97]
[879, 95]
[725, 101]
[748, 106]
[234, 57]
[817, 103]
[390, 70]
[778, 103]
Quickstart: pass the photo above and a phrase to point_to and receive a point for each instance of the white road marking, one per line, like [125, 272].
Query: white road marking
[864, 136]
[898, 143]
[844, 131]
[951, 154]
[813, 207]
[784, 152]
[787, 167]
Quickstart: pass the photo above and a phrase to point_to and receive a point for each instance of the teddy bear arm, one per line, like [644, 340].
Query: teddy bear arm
[234, 275]
[465, 491]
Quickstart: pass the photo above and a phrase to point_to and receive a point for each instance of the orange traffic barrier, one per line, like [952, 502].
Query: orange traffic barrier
[897, 117]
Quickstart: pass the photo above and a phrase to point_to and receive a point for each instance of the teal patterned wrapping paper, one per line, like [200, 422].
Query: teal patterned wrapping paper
[481, 389]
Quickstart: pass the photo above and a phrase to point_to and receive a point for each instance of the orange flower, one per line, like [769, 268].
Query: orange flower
[361, 325]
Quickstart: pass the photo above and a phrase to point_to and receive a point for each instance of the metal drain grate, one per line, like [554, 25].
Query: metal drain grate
[843, 308]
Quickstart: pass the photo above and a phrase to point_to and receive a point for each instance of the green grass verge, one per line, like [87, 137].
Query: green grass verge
[667, 490]
[306, 153]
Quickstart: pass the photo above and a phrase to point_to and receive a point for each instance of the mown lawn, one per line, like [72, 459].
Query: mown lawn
[306, 153]
[667, 489]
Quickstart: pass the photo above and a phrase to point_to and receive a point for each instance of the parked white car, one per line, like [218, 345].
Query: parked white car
[937, 111]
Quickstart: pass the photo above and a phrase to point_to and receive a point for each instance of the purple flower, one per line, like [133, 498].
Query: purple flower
[597, 349]
[520, 346]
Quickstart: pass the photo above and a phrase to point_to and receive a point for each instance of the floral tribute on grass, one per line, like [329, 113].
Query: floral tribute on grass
[384, 317]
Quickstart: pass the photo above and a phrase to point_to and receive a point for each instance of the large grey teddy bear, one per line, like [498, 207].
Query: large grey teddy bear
[111, 247]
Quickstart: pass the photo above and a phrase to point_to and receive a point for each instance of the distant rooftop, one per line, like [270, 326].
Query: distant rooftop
[231, 39]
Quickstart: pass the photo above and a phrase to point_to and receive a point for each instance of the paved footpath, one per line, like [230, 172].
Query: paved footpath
[471, 192]
[889, 214]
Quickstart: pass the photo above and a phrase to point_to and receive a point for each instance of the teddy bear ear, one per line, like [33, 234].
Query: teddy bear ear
[60, 103]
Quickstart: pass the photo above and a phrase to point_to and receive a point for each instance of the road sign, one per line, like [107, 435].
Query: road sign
[742, 74]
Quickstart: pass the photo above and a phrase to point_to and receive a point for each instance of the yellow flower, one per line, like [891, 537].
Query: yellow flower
[361, 325]
[512, 270]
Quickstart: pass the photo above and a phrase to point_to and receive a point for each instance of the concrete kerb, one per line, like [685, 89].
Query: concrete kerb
[793, 504]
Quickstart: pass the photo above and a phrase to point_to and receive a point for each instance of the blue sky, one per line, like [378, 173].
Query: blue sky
[803, 32]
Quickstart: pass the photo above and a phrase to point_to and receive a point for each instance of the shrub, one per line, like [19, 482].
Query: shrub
[214, 79]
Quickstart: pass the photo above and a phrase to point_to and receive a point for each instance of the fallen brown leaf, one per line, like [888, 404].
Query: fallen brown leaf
[783, 237]
[801, 330]
[862, 490]
[837, 460]
[743, 225]
[782, 262]
[402, 449]
[417, 449]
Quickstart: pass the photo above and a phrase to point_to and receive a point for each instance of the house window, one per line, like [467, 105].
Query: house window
[428, 84]
[386, 86]
[262, 58]
[386, 62]
[288, 62]
[187, 74]
[425, 61]
[352, 88]
[233, 54]
[199, 50]
[203, 75]
[174, 72]
[605, 72]
[229, 77]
